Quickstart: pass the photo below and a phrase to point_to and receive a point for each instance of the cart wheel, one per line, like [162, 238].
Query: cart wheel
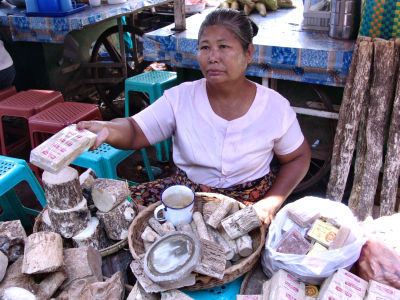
[107, 50]
[321, 140]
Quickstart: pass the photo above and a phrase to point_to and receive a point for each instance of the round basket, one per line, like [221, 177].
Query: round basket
[103, 252]
[136, 246]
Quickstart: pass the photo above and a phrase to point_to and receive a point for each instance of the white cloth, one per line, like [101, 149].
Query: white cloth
[212, 150]
[5, 58]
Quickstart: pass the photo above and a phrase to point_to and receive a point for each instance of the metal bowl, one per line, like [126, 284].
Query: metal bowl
[17, 3]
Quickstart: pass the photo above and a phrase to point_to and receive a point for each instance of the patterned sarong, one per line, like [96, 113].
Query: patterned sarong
[247, 193]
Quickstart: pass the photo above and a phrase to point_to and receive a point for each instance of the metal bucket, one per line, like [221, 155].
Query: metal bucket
[345, 19]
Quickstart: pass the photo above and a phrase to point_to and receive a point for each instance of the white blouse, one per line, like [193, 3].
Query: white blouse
[214, 151]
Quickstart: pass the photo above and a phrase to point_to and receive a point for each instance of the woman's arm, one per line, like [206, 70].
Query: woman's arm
[294, 167]
[122, 133]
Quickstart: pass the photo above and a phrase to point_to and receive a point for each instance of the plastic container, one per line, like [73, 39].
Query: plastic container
[54, 5]
[115, 1]
[315, 20]
[345, 19]
[31, 6]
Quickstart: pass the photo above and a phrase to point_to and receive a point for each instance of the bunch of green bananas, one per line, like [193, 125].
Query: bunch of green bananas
[260, 5]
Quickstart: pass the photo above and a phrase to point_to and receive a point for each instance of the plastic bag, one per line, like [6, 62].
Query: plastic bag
[312, 269]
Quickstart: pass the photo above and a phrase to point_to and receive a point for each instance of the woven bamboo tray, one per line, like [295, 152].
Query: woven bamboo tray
[136, 246]
[103, 252]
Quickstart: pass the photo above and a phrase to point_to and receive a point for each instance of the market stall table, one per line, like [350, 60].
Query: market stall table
[282, 49]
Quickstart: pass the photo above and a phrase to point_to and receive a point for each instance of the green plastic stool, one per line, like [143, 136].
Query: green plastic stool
[12, 172]
[105, 159]
[153, 83]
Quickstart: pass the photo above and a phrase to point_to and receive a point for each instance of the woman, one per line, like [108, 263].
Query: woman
[225, 128]
[7, 71]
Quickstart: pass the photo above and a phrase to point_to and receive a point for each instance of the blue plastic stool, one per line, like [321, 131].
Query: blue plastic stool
[12, 172]
[227, 291]
[105, 159]
[153, 83]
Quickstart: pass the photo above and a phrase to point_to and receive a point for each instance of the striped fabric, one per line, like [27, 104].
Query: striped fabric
[380, 18]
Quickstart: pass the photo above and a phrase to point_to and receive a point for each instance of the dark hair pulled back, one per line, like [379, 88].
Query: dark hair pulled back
[235, 21]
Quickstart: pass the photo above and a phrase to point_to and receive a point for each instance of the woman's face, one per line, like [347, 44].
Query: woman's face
[221, 55]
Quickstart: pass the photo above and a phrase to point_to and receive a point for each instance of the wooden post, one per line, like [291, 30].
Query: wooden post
[378, 113]
[354, 99]
[179, 15]
[392, 162]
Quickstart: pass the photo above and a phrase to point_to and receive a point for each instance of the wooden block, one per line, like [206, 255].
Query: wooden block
[244, 245]
[213, 260]
[42, 245]
[69, 222]
[185, 227]
[223, 208]
[15, 278]
[116, 221]
[151, 287]
[138, 293]
[112, 288]
[62, 190]
[149, 235]
[45, 224]
[92, 235]
[12, 239]
[241, 222]
[168, 226]
[175, 295]
[157, 226]
[86, 180]
[50, 284]
[82, 263]
[208, 208]
[220, 240]
[201, 226]
[109, 193]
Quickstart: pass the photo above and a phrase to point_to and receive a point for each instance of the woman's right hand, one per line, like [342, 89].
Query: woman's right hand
[97, 127]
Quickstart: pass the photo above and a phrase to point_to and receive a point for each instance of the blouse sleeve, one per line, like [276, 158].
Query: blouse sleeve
[157, 121]
[290, 141]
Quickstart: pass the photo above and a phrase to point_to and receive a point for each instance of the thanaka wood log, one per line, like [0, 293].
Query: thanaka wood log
[194, 229]
[45, 224]
[201, 226]
[82, 263]
[244, 245]
[355, 97]
[175, 295]
[69, 222]
[109, 193]
[220, 240]
[149, 235]
[86, 180]
[241, 222]
[12, 239]
[138, 293]
[62, 190]
[208, 208]
[157, 227]
[213, 260]
[223, 208]
[15, 277]
[168, 226]
[232, 244]
[116, 222]
[3, 265]
[112, 288]
[378, 114]
[92, 235]
[391, 170]
[185, 227]
[16, 293]
[41, 245]
[50, 284]
[151, 287]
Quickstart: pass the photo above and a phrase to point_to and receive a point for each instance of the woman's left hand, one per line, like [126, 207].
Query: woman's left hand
[267, 208]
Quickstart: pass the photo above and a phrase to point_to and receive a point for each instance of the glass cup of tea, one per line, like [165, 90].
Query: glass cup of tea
[177, 205]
